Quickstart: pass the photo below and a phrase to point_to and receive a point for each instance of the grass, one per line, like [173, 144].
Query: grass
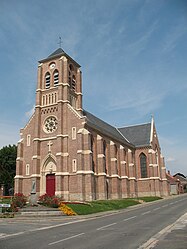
[108, 205]
[149, 198]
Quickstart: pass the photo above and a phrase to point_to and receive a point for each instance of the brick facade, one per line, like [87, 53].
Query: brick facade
[89, 158]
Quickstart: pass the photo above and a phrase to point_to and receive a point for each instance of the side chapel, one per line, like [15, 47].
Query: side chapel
[67, 151]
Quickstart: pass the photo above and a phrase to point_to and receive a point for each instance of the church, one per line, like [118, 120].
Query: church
[66, 151]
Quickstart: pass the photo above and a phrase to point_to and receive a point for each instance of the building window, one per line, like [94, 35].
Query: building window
[28, 140]
[74, 133]
[157, 160]
[47, 80]
[92, 145]
[56, 78]
[73, 83]
[104, 153]
[143, 165]
[74, 165]
[27, 169]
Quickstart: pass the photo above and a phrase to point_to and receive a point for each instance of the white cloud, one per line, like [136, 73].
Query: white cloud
[173, 36]
[170, 159]
[139, 45]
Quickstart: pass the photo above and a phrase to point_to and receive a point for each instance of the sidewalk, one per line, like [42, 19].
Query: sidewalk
[172, 237]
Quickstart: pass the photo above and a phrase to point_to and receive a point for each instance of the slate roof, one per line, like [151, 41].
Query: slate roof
[139, 135]
[57, 53]
[105, 128]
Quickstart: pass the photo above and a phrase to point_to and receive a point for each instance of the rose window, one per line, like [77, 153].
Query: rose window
[50, 125]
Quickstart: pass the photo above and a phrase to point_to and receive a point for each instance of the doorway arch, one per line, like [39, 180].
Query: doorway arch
[48, 171]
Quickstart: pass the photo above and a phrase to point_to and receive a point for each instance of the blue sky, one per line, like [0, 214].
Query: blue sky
[133, 55]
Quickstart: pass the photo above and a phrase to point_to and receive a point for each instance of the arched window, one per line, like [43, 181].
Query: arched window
[47, 80]
[56, 77]
[143, 165]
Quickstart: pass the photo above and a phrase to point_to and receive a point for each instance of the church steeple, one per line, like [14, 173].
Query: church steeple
[59, 79]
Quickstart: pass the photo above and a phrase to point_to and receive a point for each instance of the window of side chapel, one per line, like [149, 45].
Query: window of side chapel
[143, 165]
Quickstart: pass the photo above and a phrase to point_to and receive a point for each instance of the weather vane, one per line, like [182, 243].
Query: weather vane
[60, 41]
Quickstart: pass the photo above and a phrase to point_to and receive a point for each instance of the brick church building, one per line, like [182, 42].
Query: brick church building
[67, 151]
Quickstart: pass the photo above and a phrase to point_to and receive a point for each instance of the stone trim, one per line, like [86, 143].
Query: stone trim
[63, 101]
[65, 154]
[44, 139]
[151, 151]
[143, 179]
[36, 157]
[18, 177]
[155, 178]
[35, 175]
[124, 177]
[21, 140]
[74, 111]
[101, 174]
[100, 156]
[113, 159]
[83, 131]
[61, 135]
[84, 152]
[19, 159]
[115, 175]
[131, 164]
[155, 165]
[123, 162]
[99, 137]
[84, 172]
[62, 173]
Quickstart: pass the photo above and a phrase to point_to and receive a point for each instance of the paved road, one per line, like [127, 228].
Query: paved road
[130, 228]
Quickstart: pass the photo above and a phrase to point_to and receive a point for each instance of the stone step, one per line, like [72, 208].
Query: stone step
[39, 213]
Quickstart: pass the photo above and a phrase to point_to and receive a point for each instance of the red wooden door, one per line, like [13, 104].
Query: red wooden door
[50, 184]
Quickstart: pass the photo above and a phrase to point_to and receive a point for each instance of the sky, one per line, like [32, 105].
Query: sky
[133, 56]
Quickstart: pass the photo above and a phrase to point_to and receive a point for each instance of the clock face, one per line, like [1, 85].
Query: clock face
[50, 124]
[52, 65]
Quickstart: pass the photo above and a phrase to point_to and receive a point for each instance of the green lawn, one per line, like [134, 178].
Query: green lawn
[107, 205]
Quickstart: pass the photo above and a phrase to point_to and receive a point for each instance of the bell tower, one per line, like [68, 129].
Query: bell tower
[59, 80]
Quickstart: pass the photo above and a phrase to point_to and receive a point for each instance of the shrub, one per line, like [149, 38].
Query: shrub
[49, 201]
[19, 200]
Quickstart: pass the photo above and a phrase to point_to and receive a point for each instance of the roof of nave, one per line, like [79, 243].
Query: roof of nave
[105, 128]
[57, 53]
[139, 135]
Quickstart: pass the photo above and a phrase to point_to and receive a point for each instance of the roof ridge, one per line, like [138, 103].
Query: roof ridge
[134, 125]
[122, 135]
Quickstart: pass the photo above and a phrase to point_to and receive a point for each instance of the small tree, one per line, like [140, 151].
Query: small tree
[8, 156]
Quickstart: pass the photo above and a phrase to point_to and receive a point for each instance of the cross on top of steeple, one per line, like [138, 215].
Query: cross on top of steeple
[60, 41]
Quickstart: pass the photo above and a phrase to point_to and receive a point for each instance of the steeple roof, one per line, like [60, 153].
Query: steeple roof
[58, 53]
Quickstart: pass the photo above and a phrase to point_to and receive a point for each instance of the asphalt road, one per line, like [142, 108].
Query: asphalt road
[127, 229]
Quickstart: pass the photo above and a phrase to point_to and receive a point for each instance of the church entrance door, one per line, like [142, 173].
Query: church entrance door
[50, 184]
